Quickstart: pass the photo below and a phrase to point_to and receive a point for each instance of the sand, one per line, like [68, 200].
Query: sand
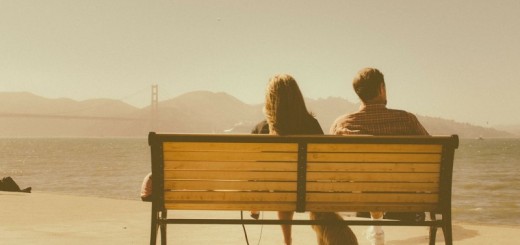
[45, 218]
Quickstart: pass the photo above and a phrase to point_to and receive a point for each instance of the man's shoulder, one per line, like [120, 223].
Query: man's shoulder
[363, 114]
[402, 113]
[413, 124]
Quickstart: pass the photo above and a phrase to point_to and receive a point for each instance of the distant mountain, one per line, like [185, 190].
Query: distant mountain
[208, 112]
[327, 110]
[28, 103]
[439, 126]
[514, 129]
[29, 115]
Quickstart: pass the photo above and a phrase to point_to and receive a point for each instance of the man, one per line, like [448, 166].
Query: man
[373, 118]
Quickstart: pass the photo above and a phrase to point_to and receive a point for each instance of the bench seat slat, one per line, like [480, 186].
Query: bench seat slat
[373, 157]
[230, 175]
[374, 167]
[289, 206]
[292, 166]
[229, 147]
[291, 186]
[311, 176]
[291, 196]
[387, 148]
[230, 185]
[373, 177]
[226, 156]
[216, 205]
[372, 187]
[317, 207]
[230, 166]
[373, 197]
[370, 207]
[233, 196]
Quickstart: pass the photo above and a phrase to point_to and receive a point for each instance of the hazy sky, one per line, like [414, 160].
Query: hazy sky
[457, 60]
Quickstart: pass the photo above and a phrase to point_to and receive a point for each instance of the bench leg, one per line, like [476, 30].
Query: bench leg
[164, 215]
[155, 226]
[447, 229]
[433, 229]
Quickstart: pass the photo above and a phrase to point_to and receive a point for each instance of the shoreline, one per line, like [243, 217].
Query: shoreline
[50, 218]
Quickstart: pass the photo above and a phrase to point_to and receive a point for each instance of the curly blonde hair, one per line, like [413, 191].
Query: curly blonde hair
[285, 108]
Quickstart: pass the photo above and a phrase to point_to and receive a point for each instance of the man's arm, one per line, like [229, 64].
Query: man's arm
[335, 127]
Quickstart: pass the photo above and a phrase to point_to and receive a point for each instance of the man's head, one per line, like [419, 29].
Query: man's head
[369, 84]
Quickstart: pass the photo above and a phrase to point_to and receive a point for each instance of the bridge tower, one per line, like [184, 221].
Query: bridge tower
[154, 108]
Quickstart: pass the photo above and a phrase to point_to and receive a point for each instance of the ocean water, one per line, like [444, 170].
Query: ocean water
[486, 180]
[112, 168]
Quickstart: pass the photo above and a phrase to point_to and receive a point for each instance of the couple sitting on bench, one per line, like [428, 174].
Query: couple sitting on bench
[286, 114]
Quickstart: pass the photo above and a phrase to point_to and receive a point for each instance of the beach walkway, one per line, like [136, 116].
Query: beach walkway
[43, 218]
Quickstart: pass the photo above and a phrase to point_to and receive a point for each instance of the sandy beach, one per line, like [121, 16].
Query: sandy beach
[44, 218]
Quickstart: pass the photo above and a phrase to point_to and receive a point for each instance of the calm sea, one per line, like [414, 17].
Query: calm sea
[486, 186]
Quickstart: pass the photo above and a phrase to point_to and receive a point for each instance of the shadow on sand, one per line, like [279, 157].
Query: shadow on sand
[459, 233]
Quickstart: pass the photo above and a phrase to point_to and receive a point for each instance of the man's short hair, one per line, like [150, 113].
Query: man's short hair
[367, 83]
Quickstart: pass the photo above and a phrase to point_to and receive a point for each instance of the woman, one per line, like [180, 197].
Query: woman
[286, 114]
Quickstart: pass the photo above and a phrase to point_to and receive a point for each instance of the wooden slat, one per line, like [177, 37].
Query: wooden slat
[375, 167]
[373, 197]
[375, 157]
[371, 187]
[317, 207]
[291, 166]
[368, 207]
[230, 185]
[373, 177]
[226, 156]
[388, 148]
[264, 206]
[227, 175]
[229, 147]
[230, 196]
[231, 166]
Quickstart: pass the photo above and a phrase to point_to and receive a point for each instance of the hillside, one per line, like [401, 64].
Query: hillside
[29, 115]
[206, 112]
[439, 126]
[27, 103]
[514, 129]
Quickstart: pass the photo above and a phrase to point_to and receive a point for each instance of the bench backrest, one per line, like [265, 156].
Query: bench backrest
[302, 173]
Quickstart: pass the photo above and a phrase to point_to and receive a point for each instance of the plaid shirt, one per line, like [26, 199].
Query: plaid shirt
[376, 119]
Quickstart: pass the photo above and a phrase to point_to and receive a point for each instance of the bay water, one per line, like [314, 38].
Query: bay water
[486, 180]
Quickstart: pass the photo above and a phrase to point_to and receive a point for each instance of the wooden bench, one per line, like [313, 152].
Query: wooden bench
[302, 173]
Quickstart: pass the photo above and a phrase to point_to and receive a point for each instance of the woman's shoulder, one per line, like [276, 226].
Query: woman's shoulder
[314, 126]
[261, 128]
